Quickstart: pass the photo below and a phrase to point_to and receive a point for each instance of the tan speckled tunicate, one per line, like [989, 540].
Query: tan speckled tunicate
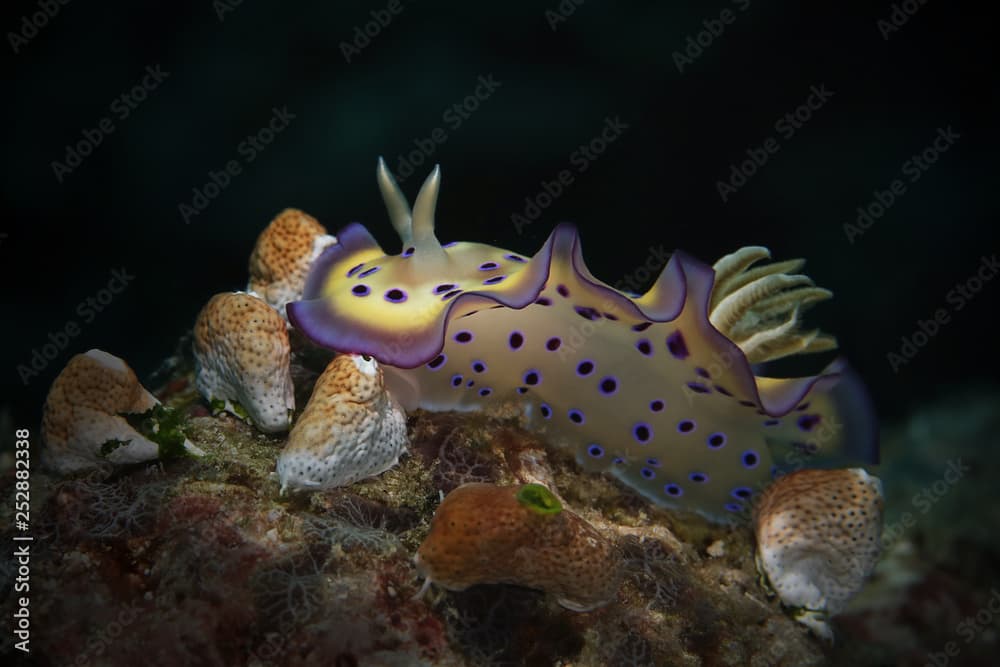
[488, 534]
[242, 352]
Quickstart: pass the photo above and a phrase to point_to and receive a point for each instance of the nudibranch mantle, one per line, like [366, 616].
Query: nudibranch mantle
[646, 388]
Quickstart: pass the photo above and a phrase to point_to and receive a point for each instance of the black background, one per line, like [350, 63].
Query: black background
[654, 185]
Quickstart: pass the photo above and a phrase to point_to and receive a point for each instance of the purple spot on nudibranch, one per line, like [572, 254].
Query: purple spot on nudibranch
[488, 266]
[642, 432]
[456, 380]
[368, 272]
[553, 344]
[587, 313]
[644, 347]
[722, 390]
[485, 391]
[741, 492]
[677, 346]
[575, 416]
[437, 362]
[619, 460]
[685, 426]
[804, 406]
[734, 507]
[702, 372]
[444, 287]
[494, 280]
[748, 404]
[543, 301]
[608, 385]
[647, 473]
[395, 295]
[463, 336]
[698, 477]
[698, 387]
[516, 340]
[656, 405]
[673, 490]
[408, 252]
[772, 422]
[361, 290]
[532, 377]
[750, 459]
[515, 258]
[653, 462]
[355, 269]
[642, 326]
[596, 451]
[563, 291]
[716, 440]
[522, 390]
[545, 410]
[478, 366]
[808, 422]
[611, 316]
[470, 383]
[585, 368]
[450, 294]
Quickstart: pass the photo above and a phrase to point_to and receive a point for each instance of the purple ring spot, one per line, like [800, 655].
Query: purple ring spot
[642, 326]
[456, 380]
[585, 368]
[443, 287]
[516, 340]
[656, 405]
[716, 440]
[478, 366]
[545, 410]
[470, 383]
[748, 404]
[563, 291]
[532, 377]
[368, 272]
[644, 347]
[722, 390]
[522, 390]
[576, 416]
[698, 477]
[677, 346]
[702, 372]
[673, 490]
[698, 388]
[808, 422]
[543, 301]
[485, 391]
[619, 460]
[608, 386]
[772, 422]
[463, 336]
[355, 269]
[741, 492]
[395, 295]
[653, 462]
[642, 432]
[587, 313]
[611, 316]
[734, 507]
[408, 252]
[685, 426]
[361, 290]
[515, 258]
[437, 362]
[553, 344]
[494, 280]
[451, 294]
[647, 473]
[750, 459]
[488, 266]
[596, 451]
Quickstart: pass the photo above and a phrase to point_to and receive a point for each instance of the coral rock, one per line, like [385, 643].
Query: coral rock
[284, 252]
[487, 534]
[82, 426]
[350, 429]
[242, 352]
[818, 540]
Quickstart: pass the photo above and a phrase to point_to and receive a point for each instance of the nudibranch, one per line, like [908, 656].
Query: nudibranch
[242, 356]
[350, 429]
[819, 537]
[487, 534]
[656, 389]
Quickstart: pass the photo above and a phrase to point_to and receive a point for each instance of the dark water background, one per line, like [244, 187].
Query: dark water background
[62, 236]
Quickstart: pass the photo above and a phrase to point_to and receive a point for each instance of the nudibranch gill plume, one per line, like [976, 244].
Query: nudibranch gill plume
[656, 389]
